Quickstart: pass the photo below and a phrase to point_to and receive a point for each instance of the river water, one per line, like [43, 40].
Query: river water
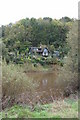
[47, 88]
[44, 80]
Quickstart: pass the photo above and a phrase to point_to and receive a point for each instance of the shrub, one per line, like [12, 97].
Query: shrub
[15, 81]
[68, 74]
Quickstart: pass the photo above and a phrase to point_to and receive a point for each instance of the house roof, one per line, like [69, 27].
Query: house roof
[39, 49]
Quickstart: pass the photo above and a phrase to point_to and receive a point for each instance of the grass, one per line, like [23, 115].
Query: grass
[15, 80]
[59, 109]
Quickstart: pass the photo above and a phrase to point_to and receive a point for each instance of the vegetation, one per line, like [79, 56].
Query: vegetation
[69, 72]
[57, 35]
[18, 38]
[15, 82]
[59, 109]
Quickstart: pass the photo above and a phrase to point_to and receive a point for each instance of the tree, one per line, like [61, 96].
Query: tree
[31, 32]
[68, 74]
[66, 19]
[73, 43]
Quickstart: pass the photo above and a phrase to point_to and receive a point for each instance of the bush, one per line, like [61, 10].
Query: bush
[15, 82]
[68, 74]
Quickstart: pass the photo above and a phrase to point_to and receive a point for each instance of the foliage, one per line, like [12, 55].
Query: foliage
[68, 74]
[33, 32]
[66, 19]
[15, 82]
[17, 38]
[73, 43]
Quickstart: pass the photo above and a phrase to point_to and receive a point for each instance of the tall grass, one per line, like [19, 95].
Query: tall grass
[15, 82]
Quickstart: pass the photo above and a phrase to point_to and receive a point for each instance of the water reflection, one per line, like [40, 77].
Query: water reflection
[47, 87]
[45, 80]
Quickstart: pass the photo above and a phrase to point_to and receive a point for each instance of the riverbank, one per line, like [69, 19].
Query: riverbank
[36, 93]
[67, 108]
[41, 84]
[22, 84]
